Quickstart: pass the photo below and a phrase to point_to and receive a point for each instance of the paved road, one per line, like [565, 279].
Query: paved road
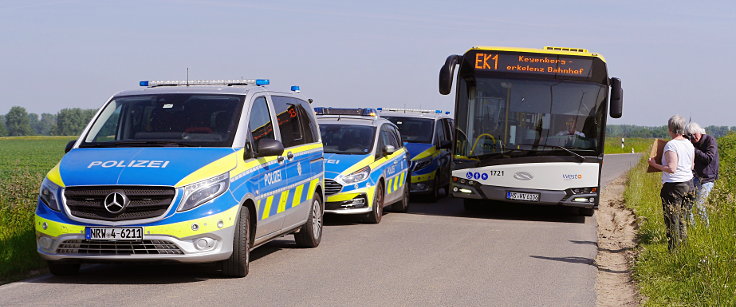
[436, 254]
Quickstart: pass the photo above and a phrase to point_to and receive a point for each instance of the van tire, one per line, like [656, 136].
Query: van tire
[310, 234]
[63, 268]
[238, 263]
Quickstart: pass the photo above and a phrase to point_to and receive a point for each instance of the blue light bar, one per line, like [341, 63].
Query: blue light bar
[379, 109]
[346, 111]
[263, 82]
[143, 83]
[448, 112]
[296, 88]
[438, 111]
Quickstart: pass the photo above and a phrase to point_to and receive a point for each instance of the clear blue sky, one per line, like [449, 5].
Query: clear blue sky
[672, 57]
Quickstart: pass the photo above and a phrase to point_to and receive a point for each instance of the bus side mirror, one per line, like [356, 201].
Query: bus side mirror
[447, 72]
[69, 146]
[617, 98]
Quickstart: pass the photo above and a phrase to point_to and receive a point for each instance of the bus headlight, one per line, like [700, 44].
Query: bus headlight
[203, 191]
[48, 194]
[357, 176]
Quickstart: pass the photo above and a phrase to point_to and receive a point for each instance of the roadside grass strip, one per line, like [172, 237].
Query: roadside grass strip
[703, 271]
[613, 145]
[23, 164]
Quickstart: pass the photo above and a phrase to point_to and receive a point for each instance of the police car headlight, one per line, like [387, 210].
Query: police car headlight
[48, 194]
[422, 163]
[357, 176]
[198, 193]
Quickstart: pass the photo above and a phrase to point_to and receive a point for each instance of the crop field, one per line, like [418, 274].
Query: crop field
[700, 273]
[613, 145]
[24, 161]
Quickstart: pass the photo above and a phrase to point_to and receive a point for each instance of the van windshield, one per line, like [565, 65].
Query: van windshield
[166, 120]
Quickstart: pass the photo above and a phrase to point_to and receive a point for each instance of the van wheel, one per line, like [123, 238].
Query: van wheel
[237, 264]
[374, 217]
[63, 268]
[434, 195]
[310, 234]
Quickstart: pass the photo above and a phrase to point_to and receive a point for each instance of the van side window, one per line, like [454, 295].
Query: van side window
[308, 124]
[260, 125]
[288, 120]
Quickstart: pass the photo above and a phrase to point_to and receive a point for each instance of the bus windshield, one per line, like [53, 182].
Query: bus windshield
[347, 139]
[414, 130]
[524, 115]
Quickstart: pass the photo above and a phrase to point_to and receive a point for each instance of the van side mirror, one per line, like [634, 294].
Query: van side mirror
[69, 146]
[617, 98]
[269, 147]
[447, 72]
[445, 145]
[389, 149]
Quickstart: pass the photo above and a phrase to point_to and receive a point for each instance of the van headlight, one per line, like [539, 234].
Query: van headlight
[200, 192]
[357, 176]
[422, 163]
[49, 194]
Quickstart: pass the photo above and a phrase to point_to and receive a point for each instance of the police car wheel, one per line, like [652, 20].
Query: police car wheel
[63, 268]
[434, 195]
[403, 204]
[374, 217]
[310, 233]
[237, 264]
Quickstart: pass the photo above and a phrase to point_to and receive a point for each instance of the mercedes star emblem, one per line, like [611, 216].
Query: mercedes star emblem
[115, 202]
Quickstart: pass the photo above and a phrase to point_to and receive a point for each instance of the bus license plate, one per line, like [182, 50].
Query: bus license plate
[522, 196]
[114, 233]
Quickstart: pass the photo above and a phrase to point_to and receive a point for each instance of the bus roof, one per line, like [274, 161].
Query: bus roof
[546, 50]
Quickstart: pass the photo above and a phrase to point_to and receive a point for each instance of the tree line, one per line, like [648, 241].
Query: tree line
[69, 121]
[633, 131]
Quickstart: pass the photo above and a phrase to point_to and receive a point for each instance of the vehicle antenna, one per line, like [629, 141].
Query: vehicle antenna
[187, 76]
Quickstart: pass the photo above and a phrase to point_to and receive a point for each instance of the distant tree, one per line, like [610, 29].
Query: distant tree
[72, 121]
[47, 124]
[3, 130]
[17, 123]
[33, 122]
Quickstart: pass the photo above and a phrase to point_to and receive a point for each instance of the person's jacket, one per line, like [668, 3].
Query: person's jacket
[706, 159]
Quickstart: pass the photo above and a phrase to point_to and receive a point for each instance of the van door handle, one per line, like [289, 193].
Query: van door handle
[280, 159]
[290, 155]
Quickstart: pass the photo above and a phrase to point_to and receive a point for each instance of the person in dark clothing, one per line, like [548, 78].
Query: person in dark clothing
[706, 167]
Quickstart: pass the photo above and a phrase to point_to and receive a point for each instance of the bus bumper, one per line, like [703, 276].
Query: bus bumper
[544, 197]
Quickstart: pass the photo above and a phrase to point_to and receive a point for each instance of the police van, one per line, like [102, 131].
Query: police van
[366, 165]
[186, 171]
[427, 135]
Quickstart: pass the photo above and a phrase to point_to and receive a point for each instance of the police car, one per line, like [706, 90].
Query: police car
[427, 134]
[195, 171]
[366, 164]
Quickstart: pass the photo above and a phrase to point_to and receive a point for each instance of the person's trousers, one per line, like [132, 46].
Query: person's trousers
[677, 199]
[702, 190]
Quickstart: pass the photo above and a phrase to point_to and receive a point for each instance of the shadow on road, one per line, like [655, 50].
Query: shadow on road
[498, 210]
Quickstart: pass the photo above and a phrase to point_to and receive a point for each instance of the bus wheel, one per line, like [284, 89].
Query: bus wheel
[311, 233]
[586, 211]
[237, 264]
[374, 217]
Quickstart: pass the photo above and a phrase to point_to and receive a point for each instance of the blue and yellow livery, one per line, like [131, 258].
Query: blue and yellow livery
[427, 135]
[202, 173]
[366, 165]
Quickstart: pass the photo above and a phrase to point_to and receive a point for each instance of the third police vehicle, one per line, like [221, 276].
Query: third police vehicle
[366, 164]
[530, 124]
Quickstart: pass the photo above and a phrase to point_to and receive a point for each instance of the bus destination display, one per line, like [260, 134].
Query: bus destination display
[534, 64]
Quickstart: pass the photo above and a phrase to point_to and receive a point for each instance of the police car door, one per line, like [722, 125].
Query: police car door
[270, 174]
[297, 135]
[393, 166]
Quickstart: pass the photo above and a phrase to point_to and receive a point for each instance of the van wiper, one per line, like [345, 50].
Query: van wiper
[140, 143]
[581, 158]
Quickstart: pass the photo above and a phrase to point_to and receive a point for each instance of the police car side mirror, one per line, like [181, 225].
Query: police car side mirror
[69, 146]
[269, 147]
[389, 149]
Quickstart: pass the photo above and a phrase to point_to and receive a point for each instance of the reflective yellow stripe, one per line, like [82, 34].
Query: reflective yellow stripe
[343, 196]
[424, 177]
[304, 148]
[402, 180]
[380, 162]
[312, 187]
[282, 201]
[267, 208]
[297, 195]
[429, 152]
[215, 168]
[55, 229]
[396, 183]
[361, 164]
[55, 176]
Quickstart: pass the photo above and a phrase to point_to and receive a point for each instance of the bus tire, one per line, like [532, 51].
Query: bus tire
[238, 263]
[60, 268]
[310, 234]
[375, 216]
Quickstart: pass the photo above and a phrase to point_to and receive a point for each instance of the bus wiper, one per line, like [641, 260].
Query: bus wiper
[581, 158]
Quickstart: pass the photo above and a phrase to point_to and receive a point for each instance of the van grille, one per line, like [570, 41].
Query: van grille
[144, 202]
[91, 248]
[332, 187]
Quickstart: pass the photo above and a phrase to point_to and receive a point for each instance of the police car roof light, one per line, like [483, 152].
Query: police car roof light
[296, 88]
[204, 82]
[263, 82]
[346, 111]
[410, 110]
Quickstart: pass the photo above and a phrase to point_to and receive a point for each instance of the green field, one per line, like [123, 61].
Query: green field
[703, 272]
[24, 161]
[613, 145]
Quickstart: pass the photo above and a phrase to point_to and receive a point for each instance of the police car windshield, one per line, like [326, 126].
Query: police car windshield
[347, 139]
[166, 120]
[413, 130]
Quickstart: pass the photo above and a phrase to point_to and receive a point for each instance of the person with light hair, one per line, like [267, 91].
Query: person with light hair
[706, 167]
[677, 185]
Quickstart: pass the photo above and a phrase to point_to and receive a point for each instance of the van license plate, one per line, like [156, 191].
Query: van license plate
[522, 196]
[114, 233]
